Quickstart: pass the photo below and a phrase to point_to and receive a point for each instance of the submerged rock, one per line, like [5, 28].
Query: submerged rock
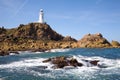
[47, 60]
[95, 62]
[70, 62]
[61, 62]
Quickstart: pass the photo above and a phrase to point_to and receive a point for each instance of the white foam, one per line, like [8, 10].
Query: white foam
[12, 54]
[25, 63]
[24, 52]
[58, 50]
[108, 63]
[38, 52]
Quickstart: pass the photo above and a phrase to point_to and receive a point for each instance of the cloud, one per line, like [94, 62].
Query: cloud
[21, 7]
[13, 6]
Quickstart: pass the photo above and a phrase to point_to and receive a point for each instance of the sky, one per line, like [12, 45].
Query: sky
[74, 18]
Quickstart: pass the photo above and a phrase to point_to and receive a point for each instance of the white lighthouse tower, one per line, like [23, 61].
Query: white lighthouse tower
[41, 16]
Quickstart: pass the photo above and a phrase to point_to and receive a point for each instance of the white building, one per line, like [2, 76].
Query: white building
[41, 16]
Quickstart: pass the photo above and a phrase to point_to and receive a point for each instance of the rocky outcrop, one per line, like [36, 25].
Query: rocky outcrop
[34, 37]
[37, 31]
[115, 44]
[40, 37]
[3, 53]
[93, 40]
[62, 62]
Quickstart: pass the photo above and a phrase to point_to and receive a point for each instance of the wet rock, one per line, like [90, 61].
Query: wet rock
[95, 62]
[47, 60]
[3, 53]
[61, 62]
[74, 62]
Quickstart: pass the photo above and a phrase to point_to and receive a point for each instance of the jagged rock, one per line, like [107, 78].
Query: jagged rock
[61, 62]
[93, 40]
[74, 62]
[115, 44]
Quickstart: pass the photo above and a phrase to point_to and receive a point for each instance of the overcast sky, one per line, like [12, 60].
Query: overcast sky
[67, 17]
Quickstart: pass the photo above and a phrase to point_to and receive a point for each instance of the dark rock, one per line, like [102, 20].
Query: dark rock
[79, 64]
[61, 62]
[47, 60]
[3, 53]
[73, 62]
[95, 62]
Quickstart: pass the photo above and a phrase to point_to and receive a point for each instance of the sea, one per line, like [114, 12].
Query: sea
[29, 65]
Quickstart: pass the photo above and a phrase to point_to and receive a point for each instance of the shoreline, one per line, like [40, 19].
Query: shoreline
[5, 53]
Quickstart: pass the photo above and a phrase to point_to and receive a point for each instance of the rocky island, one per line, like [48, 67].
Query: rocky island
[41, 37]
[33, 36]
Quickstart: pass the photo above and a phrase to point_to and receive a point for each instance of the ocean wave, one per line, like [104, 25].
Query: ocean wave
[104, 63]
[58, 50]
[35, 67]
[25, 63]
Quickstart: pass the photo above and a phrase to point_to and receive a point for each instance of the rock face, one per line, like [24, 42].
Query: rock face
[93, 40]
[37, 31]
[33, 36]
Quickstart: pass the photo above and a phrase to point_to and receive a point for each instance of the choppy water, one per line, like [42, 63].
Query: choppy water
[28, 65]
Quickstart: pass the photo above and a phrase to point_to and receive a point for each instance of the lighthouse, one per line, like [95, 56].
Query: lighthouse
[41, 16]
